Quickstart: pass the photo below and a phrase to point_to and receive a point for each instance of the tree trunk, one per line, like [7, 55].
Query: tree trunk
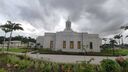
[119, 42]
[122, 41]
[113, 49]
[9, 41]
[4, 40]
[105, 42]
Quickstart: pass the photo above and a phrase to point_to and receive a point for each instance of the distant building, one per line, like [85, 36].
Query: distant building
[15, 44]
[70, 41]
[31, 45]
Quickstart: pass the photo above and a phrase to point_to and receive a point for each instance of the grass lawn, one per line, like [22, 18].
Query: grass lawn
[117, 51]
[16, 49]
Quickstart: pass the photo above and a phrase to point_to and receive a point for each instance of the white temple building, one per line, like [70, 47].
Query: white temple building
[70, 41]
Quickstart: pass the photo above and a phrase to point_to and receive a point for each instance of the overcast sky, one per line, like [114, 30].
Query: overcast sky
[38, 16]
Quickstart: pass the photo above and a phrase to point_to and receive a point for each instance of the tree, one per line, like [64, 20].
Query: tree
[113, 43]
[126, 36]
[118, 37]
[6, 30]
[1, 39]
[18, 38]
[104, 39]
[124, 27]
[12, 27]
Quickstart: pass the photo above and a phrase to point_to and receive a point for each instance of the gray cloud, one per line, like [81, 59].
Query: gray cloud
[44, 14]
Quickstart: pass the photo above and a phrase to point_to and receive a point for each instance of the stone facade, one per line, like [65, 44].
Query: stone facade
[70, 41]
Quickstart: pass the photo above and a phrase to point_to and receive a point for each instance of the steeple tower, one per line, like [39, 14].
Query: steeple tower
[68, 25]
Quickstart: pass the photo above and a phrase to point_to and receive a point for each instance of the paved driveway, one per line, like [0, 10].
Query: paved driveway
[68, 58]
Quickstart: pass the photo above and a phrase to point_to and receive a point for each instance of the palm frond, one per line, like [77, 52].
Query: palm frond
[124, 27]
[126, 36]
[17, 27]
[9, 26]
[6, 30]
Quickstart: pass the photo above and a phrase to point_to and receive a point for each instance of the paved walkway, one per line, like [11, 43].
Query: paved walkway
[68, 58]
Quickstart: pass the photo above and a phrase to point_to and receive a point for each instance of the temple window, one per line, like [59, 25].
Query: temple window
[91, 45]
[64, 44]
[79, 44]
[71, 44]
[51, 44]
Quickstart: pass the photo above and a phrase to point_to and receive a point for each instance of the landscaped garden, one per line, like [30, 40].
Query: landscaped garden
[20, 63]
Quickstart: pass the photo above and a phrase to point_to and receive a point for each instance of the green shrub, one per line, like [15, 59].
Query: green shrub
[84, 67]
[47, 67]
[2, 70]
[109, 65]
[87, 68]
[124, 65]
[120, 60]
[13, 59]
[67, 67]
[55, 66]
[6, 58]
[24, 64]
[2, 59]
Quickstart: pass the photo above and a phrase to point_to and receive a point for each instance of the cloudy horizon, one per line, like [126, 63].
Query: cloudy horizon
[39, 16]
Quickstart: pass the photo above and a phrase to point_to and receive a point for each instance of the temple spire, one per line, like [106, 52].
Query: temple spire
[68, 24]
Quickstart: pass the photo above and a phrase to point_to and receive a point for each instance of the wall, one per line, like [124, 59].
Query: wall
[68, 36]
[59, 37]
[47, 38]
[94, 38]
[40, 40]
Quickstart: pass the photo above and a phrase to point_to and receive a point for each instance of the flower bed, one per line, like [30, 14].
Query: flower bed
[20, 63]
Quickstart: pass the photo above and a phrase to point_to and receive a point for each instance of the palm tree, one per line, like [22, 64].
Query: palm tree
[6, 30]
[126, 36]
[124, 27]
[13, 27]
[113, 43]
[104, 39]
[118, 37]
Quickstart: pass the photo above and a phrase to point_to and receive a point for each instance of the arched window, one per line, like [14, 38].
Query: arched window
[91, 45]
